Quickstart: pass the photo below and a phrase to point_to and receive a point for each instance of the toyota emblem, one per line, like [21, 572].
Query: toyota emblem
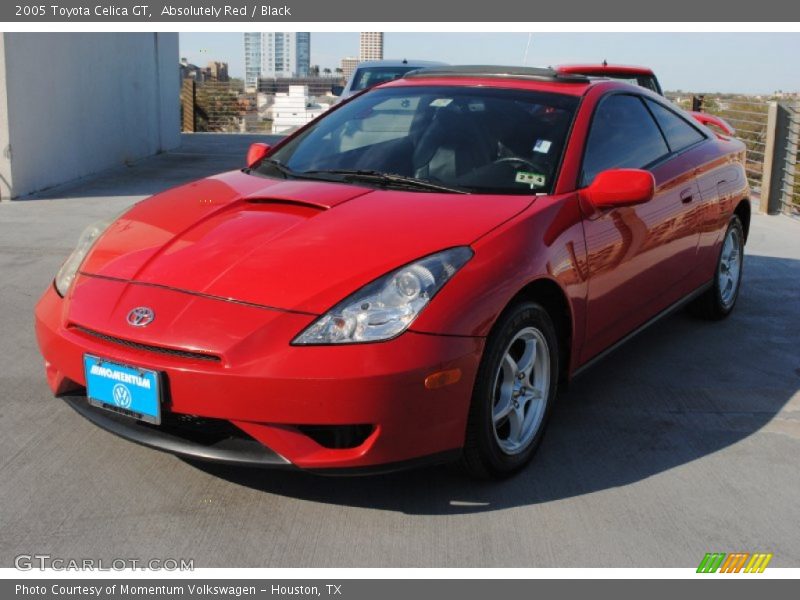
[141, 316]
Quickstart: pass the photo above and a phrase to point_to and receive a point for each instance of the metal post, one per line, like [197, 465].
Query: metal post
[775, 158]
[788, 191]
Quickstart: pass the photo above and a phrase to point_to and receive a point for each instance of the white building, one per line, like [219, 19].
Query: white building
[295, 109]
[371, 46]
[276, 54]
[348, 65]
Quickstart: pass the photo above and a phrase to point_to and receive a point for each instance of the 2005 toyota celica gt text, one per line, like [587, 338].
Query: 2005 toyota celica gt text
[407, 278]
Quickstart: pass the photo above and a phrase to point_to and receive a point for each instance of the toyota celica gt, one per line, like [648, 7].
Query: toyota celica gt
[408, 278]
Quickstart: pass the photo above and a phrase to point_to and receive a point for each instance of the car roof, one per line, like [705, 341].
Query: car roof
[497, 76]
[599, 69]
[399, 63]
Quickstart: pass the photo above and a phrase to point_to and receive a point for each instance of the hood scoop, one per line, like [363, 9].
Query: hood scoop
[285, 205]
[320, 194]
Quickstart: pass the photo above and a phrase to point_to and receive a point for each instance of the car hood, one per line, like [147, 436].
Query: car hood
[290, 244]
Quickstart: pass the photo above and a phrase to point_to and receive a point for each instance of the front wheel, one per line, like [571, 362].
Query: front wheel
[514, 392]
[718, 301]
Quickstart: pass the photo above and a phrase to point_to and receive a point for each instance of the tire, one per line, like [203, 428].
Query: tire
[497, 446]
[719, 300]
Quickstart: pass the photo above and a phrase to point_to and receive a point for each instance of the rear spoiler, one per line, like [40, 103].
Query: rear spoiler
[718, 122]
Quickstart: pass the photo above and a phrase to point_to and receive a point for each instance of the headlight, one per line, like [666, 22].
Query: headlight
[66, 274]
[386, 307]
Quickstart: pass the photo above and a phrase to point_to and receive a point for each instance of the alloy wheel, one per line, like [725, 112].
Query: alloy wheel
[522, 386]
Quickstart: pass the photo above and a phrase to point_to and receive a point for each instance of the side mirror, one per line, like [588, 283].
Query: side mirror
[620, 187]
[337, 90]
[256, 152]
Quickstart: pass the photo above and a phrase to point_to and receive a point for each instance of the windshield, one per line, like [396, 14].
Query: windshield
[648, 82]
[368, 77]
[472, 139]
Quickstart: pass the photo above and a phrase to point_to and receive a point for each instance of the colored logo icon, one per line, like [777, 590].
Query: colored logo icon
[736, 562]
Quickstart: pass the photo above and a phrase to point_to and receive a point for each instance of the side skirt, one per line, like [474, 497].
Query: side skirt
[664, 313]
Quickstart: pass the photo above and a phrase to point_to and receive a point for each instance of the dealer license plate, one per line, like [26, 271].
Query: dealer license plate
[124, 389]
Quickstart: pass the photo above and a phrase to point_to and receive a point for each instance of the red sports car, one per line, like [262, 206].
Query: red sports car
[407, 278]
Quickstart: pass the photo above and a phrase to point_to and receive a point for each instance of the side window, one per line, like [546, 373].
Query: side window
[623, 135]
[678, 132]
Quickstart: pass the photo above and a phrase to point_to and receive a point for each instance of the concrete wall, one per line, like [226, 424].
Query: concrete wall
[79, 103]
[5, 148]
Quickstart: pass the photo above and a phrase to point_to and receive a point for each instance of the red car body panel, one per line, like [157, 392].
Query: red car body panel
[236, 266]
[572, 89]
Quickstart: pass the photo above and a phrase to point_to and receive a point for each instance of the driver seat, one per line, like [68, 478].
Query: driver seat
[451, 146]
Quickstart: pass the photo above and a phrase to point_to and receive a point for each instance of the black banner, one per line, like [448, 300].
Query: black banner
[406, 11]
[731, 588]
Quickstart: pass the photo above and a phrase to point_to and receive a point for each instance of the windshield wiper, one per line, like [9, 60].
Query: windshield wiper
[384, 178]
[280, 167]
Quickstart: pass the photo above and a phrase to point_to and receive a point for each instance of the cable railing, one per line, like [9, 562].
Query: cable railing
[221, 107]
[769, 127]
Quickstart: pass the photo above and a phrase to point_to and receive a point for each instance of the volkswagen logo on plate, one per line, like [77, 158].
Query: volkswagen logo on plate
[122, 396]
[141, 316]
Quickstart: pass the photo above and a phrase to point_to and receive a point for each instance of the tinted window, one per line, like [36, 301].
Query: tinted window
[371, 76]
[481, 140]
[623, 136]
[678, 132]
[648, 82]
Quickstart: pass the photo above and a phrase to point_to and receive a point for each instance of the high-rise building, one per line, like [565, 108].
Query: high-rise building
[348, 64]
[276, 54]
[252, 59]
[371, 47]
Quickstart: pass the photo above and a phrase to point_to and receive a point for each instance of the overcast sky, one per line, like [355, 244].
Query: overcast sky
[707, 62]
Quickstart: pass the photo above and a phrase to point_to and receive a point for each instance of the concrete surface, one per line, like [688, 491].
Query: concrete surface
[685, 441]
[73, 104]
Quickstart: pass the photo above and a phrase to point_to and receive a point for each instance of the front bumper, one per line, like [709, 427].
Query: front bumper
[206, 440]
[280, 398]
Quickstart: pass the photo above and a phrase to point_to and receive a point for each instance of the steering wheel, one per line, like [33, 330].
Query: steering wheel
[515, 159]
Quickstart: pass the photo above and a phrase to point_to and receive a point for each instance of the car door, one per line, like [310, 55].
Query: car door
[689, 152]
[639, 257]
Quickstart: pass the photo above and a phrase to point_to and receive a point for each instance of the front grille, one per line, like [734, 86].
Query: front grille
[148, 347]
[200, 430]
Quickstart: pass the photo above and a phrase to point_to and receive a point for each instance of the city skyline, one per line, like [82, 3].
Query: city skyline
[739, 62]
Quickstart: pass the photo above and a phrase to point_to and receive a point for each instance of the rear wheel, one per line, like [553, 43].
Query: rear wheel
[513, 394]
[718, 301]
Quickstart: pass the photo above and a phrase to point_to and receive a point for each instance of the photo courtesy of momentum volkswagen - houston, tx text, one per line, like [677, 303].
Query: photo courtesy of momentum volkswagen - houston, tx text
[408, 278]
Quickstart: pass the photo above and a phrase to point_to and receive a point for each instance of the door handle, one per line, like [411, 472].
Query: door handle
[687, 196]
